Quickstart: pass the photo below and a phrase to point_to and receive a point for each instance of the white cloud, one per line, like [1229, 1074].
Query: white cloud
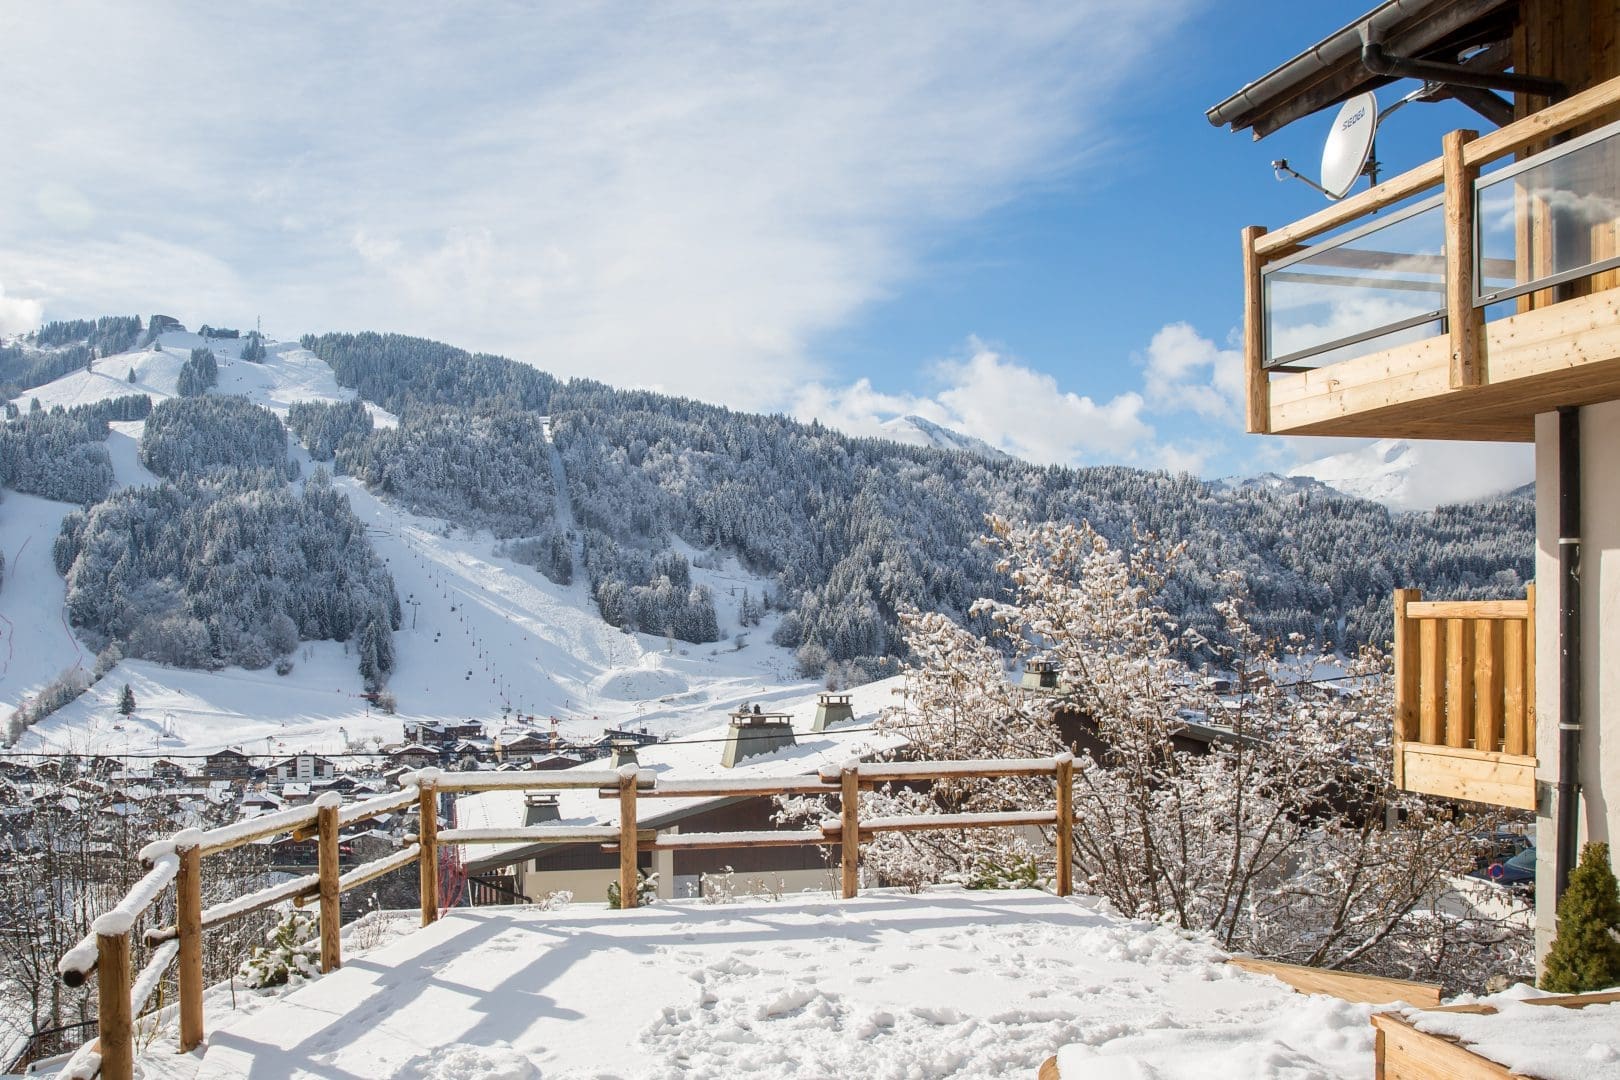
[1005, 403]
[18, 316]
[1186, 371]
[681, 197]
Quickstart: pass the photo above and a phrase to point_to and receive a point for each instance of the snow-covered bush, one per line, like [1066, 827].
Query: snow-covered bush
[646, 890]
[1018, 868]
[292, 948]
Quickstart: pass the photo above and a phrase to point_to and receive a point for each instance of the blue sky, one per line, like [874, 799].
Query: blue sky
[1013, 219]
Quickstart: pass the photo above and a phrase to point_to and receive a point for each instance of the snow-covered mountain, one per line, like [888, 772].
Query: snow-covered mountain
[483, 636]
[1407, 475]
[918, 431]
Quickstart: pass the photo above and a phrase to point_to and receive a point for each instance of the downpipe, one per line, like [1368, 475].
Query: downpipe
[1569, 643]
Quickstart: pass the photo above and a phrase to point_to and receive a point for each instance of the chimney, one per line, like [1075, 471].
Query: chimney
[832, 709]
[540, 807]
[624, 753]
[1039, 675]
[755, 733]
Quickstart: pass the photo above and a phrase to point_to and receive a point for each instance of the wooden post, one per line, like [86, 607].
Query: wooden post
[188, 929]
[427, 835]
[1464, 322]
[1065, 825]
[1515, 688]
[327, 873]
[1488, 684]
[1432, 681]
[627, 838]
[1407, 667]
[1459, 683]
[849, 810]
[1254, 334]
[116, 1036]
[1530, 671]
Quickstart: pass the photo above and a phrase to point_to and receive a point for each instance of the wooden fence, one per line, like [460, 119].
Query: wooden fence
[1465, 713]
[122, 994]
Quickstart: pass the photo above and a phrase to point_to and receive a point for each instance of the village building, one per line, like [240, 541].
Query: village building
[783, 744]
[303, 769]
[414, 756]
[1471, 296]
[228, 764]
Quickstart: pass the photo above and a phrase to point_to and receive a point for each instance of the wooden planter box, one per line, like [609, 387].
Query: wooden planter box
[1405, 1053]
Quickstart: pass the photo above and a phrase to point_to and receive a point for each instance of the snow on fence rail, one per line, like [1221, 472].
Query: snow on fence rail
[106, 951]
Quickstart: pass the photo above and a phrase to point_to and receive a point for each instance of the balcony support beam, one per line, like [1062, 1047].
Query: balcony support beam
[1254, 334]
[1466, 322]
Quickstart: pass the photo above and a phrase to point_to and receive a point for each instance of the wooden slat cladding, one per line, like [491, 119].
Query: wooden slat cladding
[1464, 698]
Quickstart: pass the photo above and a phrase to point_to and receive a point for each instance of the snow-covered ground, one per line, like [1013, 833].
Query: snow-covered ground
[947, 983]
[36, 644]
[483, 636]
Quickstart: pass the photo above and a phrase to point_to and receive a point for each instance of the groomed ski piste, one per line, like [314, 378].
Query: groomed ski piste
[483, 637]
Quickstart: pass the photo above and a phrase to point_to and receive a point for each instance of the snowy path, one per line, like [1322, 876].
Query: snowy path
[947, 983]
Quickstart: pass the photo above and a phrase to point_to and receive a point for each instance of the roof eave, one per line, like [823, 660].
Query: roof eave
[1331, 71]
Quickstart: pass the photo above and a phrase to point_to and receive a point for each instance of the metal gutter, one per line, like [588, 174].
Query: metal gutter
[1345, 45]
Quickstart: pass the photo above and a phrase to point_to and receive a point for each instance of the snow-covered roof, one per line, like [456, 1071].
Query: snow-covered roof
[692, 757]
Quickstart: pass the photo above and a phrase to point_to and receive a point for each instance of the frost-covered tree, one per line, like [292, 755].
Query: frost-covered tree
[323, 426]
[1287, 839]
[229, 568]
[192, 436]
[485, 468]
[198, 374]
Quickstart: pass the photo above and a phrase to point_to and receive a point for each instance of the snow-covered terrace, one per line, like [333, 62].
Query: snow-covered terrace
[943, 983]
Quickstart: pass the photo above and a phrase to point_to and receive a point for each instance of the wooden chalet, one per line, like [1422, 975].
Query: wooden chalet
[228, 764]
[1474, 295]
[415, 756]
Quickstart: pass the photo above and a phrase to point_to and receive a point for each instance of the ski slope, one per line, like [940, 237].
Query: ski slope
[483, 637]
[36, 644]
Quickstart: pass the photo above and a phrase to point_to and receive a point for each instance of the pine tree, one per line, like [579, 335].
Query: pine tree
[1586, 954]
[126, 701]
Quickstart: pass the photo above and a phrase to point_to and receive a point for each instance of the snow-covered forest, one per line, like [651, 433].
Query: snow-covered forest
[234, 567]
[230, 561]
[854, 530]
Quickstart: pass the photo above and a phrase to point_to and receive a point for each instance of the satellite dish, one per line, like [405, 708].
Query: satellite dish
[1344, 156]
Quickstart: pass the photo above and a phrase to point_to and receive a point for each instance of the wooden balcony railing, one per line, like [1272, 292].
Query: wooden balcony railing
[107, 952]
[1465, 714]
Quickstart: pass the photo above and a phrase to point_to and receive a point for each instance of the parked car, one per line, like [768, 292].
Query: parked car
[1516, 872]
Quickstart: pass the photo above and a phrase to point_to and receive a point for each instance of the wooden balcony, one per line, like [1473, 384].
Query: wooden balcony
[1468, 330]
[1465, 715]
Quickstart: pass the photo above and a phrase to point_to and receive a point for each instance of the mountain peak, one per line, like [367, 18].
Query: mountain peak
[916, 430]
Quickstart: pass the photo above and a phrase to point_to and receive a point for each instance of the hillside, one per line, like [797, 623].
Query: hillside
[613, 556]
[479, 634]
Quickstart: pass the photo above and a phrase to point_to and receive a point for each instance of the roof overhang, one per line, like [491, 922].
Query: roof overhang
[1331, 71]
